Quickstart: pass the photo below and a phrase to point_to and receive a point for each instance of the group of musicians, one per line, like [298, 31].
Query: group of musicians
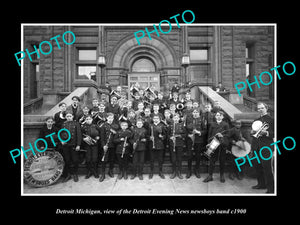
[122, 131]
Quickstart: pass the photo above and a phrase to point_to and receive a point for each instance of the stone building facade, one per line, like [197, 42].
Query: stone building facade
[226, 54]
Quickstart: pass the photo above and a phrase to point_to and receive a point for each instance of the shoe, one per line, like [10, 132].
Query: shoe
[222, 178]
[173, 175]
[133, 176]
[188, 175]
[141, 177]
[231, 177]
[75, 178]
[88, 175]
[258, 186]
[197, 174]
[162, 176]
[102, 177]
[150, 175]
[207, 179]
[120, 176]
[110, 173]
[125, 175]
[67, 178]
[179, 175]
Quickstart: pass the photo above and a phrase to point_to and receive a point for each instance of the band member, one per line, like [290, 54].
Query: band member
[107, 132]
[218, 129]
[175, 99]
[131, 119]
[176, 133]
[140, 137]
[91, 135]
[72, 147]
[156, 145]
[101, 115]
[216, 108]
[156, 112]
[172, 109]
[161, 102]
[175, 88]
[263, 169]
[85, 113]
[60, 117]
[140, 111]
[196, 134]
[136, 101]
[208, 115]
[75, 108]
[122, 140]
[235, 135]
[113, 107]
[95, 107]
[48, 128]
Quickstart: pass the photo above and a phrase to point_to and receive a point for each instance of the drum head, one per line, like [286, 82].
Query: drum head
[43, 169]
[256, 125]
[239, 151]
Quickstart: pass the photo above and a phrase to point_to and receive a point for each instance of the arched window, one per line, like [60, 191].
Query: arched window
[143, 65]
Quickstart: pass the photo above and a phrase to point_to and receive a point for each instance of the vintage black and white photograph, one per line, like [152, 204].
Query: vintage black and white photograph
[149, 109]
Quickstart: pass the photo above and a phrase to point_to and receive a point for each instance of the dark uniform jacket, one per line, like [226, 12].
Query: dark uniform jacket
[115, 109]
[199, 125]
[120, 143]
[75, 131]
[46, 131]
[155, 130]
[77, 112]
[179, 132]
[105, 133]
[59, 118]
[258, 143]
[138, 135]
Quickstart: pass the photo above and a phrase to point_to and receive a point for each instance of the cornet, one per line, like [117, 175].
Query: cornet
[258, 127]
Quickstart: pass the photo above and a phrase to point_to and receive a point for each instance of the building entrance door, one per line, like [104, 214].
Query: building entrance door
[145, 80]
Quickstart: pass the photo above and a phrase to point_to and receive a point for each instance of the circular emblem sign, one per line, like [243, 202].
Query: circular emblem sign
[44, 168]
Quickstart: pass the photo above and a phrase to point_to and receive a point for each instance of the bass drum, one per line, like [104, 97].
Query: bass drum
[241, 149]
[44, 168]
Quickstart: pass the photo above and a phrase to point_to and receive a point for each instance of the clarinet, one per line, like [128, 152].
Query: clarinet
[174, 141]
[152, 137]
[124, 147]
[104, 154]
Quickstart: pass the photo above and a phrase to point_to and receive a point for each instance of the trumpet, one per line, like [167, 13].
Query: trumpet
[258, 127]
[89, 140]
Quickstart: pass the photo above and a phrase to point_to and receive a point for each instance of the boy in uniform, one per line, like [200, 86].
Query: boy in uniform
[176, 133]
[156, 145]
[122, 141]
[72, 147]
[196, 134]
[140, 137]
[107, 132]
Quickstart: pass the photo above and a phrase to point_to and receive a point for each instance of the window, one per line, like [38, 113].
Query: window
[87, 55]
[143, 65]
[87, 72]
[198, 54]
[249, 55]
[86, 63]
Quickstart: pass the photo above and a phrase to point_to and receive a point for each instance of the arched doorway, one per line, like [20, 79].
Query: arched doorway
[144, 72]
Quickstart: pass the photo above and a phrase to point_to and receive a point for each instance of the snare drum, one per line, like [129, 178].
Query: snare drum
[211, 147]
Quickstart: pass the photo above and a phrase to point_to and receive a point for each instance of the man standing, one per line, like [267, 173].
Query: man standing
[263, 169]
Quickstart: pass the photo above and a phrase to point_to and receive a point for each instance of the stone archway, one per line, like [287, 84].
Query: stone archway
[157, 49]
